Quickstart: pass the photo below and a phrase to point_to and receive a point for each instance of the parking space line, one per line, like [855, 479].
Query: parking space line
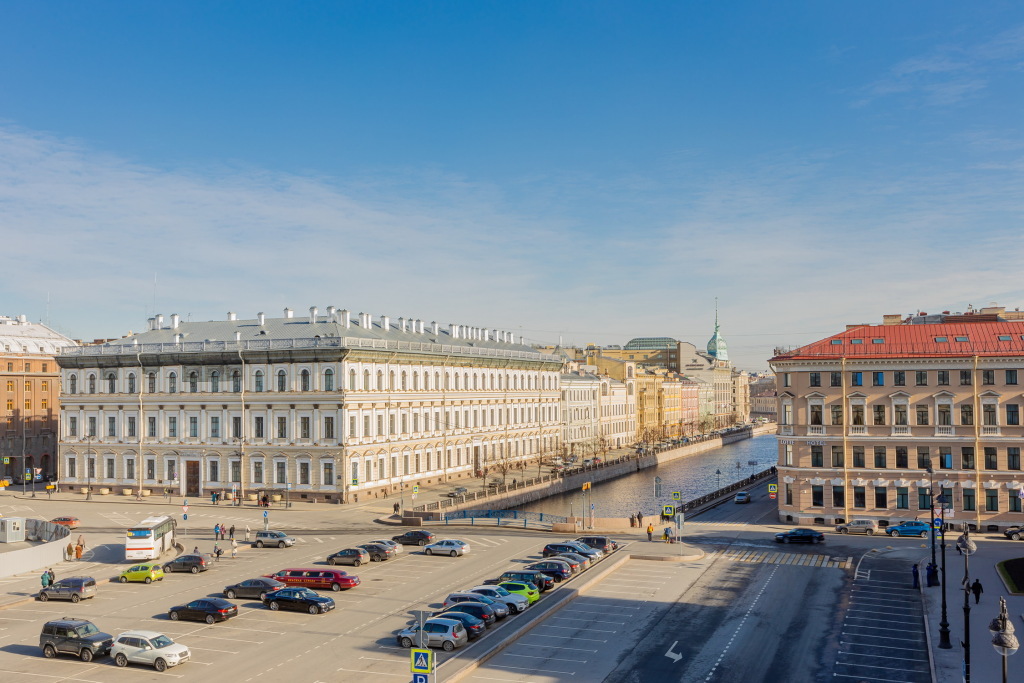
[546, 671]
[550, 659]
[592, 621]
[574, 628]
[559, 647]
[578, 628]
[375, 673]
[210, 649]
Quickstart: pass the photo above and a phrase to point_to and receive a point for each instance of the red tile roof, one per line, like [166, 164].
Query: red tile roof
[916, 341]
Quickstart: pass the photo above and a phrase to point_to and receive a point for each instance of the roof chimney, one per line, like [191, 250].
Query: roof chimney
[177, 338]
[345, 318]
[453, 330]
[401, 323]
[331, 310]
[419, 326]
[175, 319]
[385, 323]
[364, 320]
[312, 314]
[288, 313]
[435, 328]
[238, 336]
[152, 323]
[261, 318]
[159, 321]
[232, 316]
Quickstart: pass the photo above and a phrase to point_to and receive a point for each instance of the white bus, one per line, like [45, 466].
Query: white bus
[150, 539]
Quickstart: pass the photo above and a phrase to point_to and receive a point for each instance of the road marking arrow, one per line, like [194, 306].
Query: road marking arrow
[674, 656]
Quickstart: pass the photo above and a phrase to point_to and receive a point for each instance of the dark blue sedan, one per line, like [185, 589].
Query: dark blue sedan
[800, 535]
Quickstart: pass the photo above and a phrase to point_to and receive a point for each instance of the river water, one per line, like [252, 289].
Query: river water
[693, 476]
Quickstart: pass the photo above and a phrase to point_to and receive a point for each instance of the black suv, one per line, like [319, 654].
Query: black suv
[76, 637]
[602, 543]
[187, 563]
[414, 537]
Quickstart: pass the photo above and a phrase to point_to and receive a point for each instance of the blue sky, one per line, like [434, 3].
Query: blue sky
[584, 171]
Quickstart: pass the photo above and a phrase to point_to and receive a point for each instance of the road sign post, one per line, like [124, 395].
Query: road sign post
[421, 660]
[266, 520]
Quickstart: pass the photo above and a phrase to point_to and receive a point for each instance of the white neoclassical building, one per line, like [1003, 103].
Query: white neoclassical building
[332, 407]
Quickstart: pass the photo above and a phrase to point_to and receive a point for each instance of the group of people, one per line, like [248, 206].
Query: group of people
[221, 530]
[74, 551]
[636, 520]
[47, 578]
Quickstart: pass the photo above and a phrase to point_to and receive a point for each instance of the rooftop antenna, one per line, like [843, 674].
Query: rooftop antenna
[154, 293]
[47, 308]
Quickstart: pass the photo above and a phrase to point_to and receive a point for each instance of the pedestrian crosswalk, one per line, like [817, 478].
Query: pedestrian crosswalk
[718, 525]
[760, 556]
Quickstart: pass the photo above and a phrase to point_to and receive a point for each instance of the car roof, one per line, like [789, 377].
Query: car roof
[446, 622]
[69, 621]
[141, 634]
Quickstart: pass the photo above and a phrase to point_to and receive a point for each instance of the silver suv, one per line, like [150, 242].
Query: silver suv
[278, 539]
[437, 632]
[858, 526]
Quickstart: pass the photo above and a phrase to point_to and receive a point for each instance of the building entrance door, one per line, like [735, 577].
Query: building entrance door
[192, 478]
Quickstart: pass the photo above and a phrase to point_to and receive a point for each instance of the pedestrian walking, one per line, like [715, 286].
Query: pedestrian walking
[933, 575]
[234, 549]
[917, 581]
[44, 579]
[195, 551]
[231, 532]
[216, 551]
[247, 532]
[79, 549]
[639, 518]
[53, 577]
[977, 590]
[216, 532]
[632, 521]
[223, 530]
[69, 552]
[650, 532]
[396, 507]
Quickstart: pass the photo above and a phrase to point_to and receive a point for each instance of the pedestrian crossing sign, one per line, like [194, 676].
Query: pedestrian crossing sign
[422, 661]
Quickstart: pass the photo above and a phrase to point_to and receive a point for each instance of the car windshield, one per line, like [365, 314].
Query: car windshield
[161, 641]
[86, 630]
[501, 591]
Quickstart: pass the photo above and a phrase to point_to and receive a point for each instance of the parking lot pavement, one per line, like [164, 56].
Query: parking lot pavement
[883, 636]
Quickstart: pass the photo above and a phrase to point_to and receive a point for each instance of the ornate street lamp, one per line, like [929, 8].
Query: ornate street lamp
[1003, 639]
[967, 548]
[944, 642]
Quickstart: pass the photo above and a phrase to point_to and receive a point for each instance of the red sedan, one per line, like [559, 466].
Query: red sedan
[69, 522]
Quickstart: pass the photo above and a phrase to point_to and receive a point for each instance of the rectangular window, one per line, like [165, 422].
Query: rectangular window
[328, 427]
[329, 473]
[945, 457]
[151, 469]
[172, 473]
[214, 427]
[817, 456]
[366, 425]
[304, 473]
[282, 472]
[988, 377]
[857, 379]
[236, 471]
[880, 458]
[837, 456]
[789, 493]
[1014, 503]
[816, 414]
[405, 423]
[902, 460]
[258, 427]
[282, 428]
[352, 426]
[899, 378]
[392, 425]
[966, 414]
[837, 415]
[859, 499]
[151, 427]
[945, 415]
[881, 498]
[857, 414]
[838, 496]
[879, 414]
[110, 468]
[945, 499]
[787, 380]
[967, 457]
[836, 379]
[172, 427]
[899, 414]
[1011, 376]
[1012, 414]
[921, 378]
[193, 427]
[858, 456]
[969, 504]
[965, 378]
[304, 427]
[991, 500]
[924, 458]
[991, 458]
[236, 426]
[257, 472]
[72, 468]
[131, 427]
[815, 379]
[902, 498]
[72, 426]
[943, 378]
[988, 414]
[922, 415]
[924, 499]
[878, 379]
[818, 496]
[214, 470]
[92, 426]
[1013, 458]
[129, 471]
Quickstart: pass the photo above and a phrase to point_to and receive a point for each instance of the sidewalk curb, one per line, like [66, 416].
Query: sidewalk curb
[927, 624]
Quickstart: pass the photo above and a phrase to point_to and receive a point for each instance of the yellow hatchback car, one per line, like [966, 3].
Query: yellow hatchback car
[147, 573]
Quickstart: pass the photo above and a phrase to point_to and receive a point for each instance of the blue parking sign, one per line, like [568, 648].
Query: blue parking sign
[937, 523]
[266, 513]
[420, 678]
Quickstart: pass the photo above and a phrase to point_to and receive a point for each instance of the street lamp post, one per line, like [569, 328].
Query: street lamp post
[967, 547]
[944, 642]
[931, 504]
[1003, 639]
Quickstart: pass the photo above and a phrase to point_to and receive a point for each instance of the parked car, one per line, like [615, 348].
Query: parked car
[580, 561]
[539, 579]
[397, 547]
[474, 627]
[73, 588]
[571, 547]
[460, 491]
[210, 610]
[1014, 533]
[800, 536]
[526, 589]
[187, 563]
[741, 497]
[501, 610]
[448, 546]
[414, 537]
[277, 539]
[858, 526]
[335, 579]
[350, 556]
[147, 573]
[69, 522]
[555, 568]
[477, 609]
[149, 648]
[252, 588]
[602, 543]
[909, 529]
[447, 634]
[515, 603]
[298, 600]
[377, 552]
[78, 637]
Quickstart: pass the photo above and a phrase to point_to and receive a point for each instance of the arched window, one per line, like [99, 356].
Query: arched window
[499, 382]
[351, 380]
[426, 381]
[172, 383]
[492, 382]
[415, 381]
[366, 380]
[236, 381]
[282, 380]
[131, 382]
[92, 384]
[73, 384]
[152, 382]
[380, 381]
[515, 382]
[193, 382]
[404, 381]
[328, 380]
[456, 381]
[304, 380]
[259, 380]
[391, 381]
[111, 383]
[465, 381]
[214, 381]
[447, 381]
